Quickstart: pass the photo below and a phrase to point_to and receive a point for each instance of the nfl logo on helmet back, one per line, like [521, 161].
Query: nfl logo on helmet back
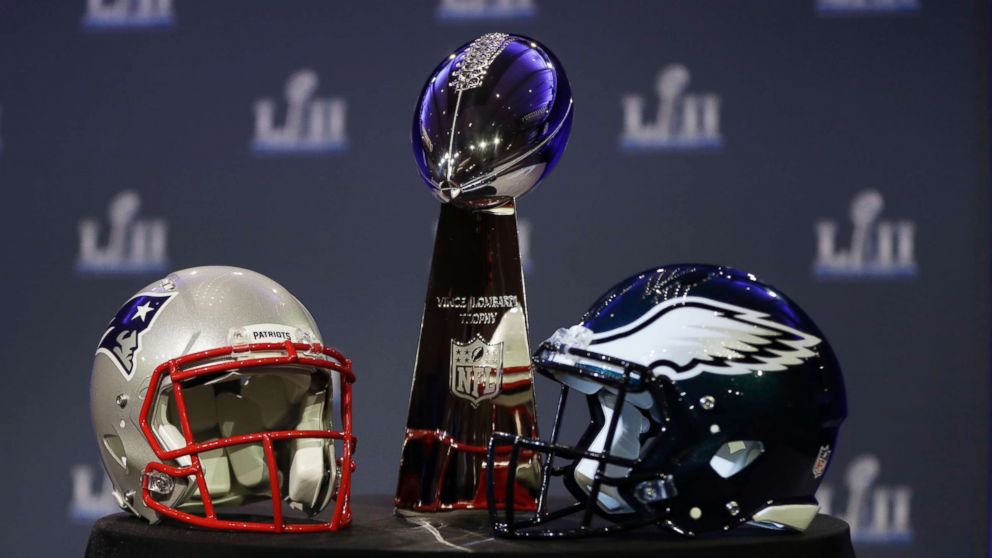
[820, 466]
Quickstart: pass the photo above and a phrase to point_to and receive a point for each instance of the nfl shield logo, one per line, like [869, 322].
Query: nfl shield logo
[476, 369]
[820, 465]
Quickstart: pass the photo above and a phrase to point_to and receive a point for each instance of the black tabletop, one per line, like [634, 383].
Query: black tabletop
[377, 531]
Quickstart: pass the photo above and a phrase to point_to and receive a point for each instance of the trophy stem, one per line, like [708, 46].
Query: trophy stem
[472, 375]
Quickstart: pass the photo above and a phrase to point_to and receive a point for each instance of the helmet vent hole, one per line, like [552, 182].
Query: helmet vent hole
[734, 457]
[115, 447]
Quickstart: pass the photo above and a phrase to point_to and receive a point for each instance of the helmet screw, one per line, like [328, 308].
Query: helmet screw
[126, 500]
[656, 490]
[733, 508]
[168, 284]
[122, 400]
[707, 402]
[160, 483]
[649, 493]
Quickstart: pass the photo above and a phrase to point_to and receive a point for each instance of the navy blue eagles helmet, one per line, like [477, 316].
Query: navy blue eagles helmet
[714, 401]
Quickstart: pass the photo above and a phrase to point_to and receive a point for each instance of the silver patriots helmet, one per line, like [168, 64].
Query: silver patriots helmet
[211, 391]
[492, 120]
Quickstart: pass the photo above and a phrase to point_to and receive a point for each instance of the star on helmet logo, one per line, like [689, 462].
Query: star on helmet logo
[687, 336]
[122, 339]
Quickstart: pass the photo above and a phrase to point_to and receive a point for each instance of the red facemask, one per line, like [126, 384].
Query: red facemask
[199, 367]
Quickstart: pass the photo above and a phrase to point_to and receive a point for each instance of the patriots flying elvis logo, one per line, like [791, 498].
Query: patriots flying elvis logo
[122, 340]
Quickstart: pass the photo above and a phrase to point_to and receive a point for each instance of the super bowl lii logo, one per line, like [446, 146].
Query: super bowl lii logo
[128, 14]
[309, 124]
[131, 245]
[875, 247]
[681, 120]
[866, 7]
[92, 494]
[876, 513]
[449, 10]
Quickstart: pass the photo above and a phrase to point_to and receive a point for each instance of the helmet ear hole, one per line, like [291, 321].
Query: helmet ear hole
[115, 447]
[733, 457]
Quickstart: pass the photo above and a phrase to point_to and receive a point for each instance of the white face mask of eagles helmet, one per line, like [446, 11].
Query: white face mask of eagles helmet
[211, 389]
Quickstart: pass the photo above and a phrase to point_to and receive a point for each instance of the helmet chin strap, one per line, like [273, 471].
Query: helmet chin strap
[625, 444]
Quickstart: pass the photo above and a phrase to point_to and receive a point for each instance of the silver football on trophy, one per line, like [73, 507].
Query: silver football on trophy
[492, 121]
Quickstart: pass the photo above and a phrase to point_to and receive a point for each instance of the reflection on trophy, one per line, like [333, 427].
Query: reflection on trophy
[491, 122]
